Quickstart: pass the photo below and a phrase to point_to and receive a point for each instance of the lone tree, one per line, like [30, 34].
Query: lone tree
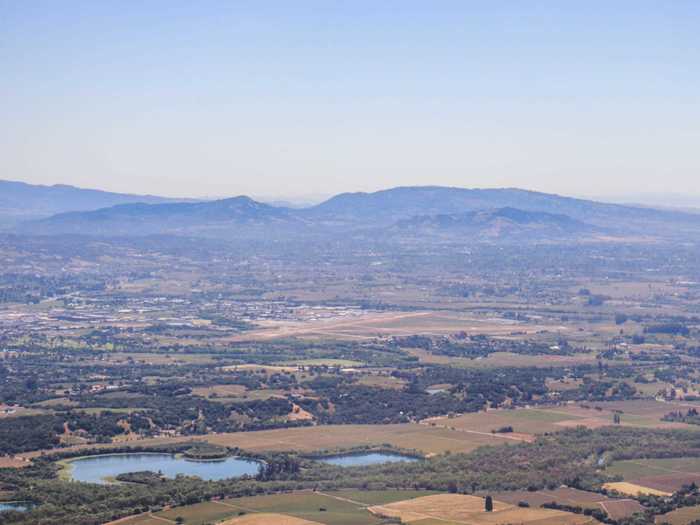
[488, 504]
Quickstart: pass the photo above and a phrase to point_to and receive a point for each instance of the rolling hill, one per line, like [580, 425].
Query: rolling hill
[500, 224]
[20, 201]
[225, 217]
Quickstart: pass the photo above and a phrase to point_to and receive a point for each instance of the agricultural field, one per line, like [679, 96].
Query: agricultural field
[216, 391]
[657, 476]
[530, 421]
[639, 468]
[381, 381]
[298, 508]
[634, 490]
[200, 513]
[379, 497]
[344, 363]
[141, 519]
[523, 421]
[618, 509]
[469, 510]
[268, 519]
[423, 438]
[682, 516]
[615, 508]
[311, 506]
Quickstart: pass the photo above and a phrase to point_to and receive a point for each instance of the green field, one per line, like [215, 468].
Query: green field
[142, 519]
[99, 410]
[322, 362]
[380, 497]
[637, 468]
[308, 505]
[333, 508]
[201, 513]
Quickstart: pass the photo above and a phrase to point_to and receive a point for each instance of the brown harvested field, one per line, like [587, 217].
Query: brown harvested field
[469, 510]
[13, 462]
[646, 407]
[141, 519]
[268, 519]
[621, 508]
[632, 489]
[423, 438]
[219, 391]
[643, 413]
[616, 508]
[148, 442]
[426, 439]
[633, 469]
[562, 495]
[523, 421]
[199, 513]
[668, 482]
[682, 516]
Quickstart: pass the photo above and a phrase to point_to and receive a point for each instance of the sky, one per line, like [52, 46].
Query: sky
[305, 99]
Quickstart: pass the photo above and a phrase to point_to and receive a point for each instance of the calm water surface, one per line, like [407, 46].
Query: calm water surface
[14, 505]
[360, 460]
[95, 468]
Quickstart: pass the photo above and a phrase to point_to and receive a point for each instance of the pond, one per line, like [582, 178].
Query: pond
[20, 506]
[94, 469]
[369, 458]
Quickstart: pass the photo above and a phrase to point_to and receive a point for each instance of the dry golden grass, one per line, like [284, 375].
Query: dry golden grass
[299, 414]
[219, 390]
[268, 519]
[13, 462]
[523, 421]
[469, 510]
[427, 439]
[631, 489]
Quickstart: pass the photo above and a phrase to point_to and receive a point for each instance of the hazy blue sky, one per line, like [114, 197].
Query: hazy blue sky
[307, 98]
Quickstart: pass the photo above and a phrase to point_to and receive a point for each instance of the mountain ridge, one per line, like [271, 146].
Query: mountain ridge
[23, 201]
[378, 211]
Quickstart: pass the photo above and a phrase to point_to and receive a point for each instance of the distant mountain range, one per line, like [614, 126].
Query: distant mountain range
[21, 201]
[404, 212]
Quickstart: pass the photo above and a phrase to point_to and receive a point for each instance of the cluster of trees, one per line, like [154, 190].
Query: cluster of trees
[25, 433]
[668, 328]
[691, 417]
[30, 288]
[355, 404]
[473, 346]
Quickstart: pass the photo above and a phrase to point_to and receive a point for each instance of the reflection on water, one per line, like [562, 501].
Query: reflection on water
[370, 458]
[94, 469]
